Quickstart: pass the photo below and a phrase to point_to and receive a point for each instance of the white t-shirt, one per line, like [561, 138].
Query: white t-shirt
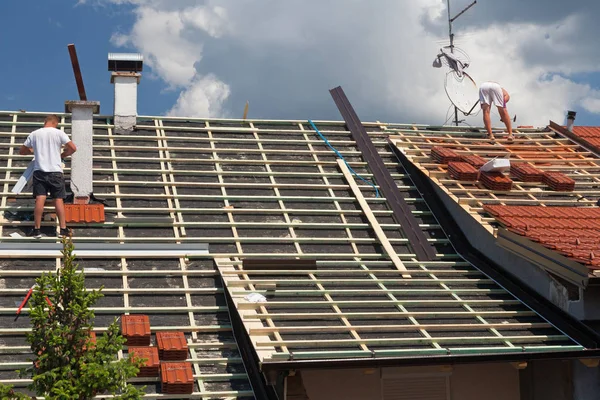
[47, 144]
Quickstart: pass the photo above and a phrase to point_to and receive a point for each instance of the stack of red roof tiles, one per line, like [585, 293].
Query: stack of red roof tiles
[152, 363]
[443, 155]
[136, 330]
[496, 181]
[176, 378]
[462, 171]
[172, 346]
[571, 231]
[526, 173]
[474, 160]
[559, 182]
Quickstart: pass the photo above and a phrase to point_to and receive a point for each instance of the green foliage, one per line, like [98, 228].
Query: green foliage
[67, 364]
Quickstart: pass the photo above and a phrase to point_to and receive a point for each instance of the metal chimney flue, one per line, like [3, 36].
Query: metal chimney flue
[125, 68]
[571, 120]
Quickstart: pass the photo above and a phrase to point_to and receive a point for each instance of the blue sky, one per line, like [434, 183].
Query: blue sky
[207, 57]
[37, 73]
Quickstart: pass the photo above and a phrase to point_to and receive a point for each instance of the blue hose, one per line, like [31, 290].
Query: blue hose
[343, 159]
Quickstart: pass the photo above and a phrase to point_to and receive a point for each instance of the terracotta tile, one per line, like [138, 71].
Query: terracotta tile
[172, 346]
[496, 181]
[443, 155]
[136, 329]
[176, 378]
[151, 367]
[559, 182]
[462, 171]
[84, 213]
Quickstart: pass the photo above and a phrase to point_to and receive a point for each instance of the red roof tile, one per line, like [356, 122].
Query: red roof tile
[172, 346]
[462, 171]
[526, 173]
[136, 329]
[177, 378]
[496, 181]
[587, 131]
[151, 365]
[571, 231]
[444, 155]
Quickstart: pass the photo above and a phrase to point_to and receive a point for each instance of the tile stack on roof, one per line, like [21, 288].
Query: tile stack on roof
[496, 181]
[559, 182]
[176, 378]
[151, 365]
[462, 171]
[571, 231]
[443, 155]
[136, 329]
[526, 173]
[172, 346]
[474, 160]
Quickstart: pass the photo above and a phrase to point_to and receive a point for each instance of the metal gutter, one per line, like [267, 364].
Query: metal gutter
[423, 360]
[387, 185]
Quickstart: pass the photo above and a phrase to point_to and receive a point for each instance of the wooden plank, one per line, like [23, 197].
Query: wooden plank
[383, 239]
[278, 264]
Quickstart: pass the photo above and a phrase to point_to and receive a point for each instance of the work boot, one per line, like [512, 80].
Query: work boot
[36, 233]
[64, 232]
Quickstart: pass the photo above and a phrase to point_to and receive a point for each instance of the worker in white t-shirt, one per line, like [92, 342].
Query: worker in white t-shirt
[46, 146]
[491, 93]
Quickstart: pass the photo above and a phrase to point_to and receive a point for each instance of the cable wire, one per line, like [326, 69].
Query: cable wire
[342, 158]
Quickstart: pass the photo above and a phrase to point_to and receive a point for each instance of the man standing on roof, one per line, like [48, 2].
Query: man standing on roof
[46, 146]
[491, 93]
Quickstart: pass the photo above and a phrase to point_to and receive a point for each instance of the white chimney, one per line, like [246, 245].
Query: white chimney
[571, 120]
[126, 68]
[82, 131]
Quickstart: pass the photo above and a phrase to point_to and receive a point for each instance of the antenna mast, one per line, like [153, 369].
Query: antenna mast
[451, 35]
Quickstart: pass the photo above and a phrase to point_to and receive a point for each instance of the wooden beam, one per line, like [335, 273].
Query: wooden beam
[383, 239]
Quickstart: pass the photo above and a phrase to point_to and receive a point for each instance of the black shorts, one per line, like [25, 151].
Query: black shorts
[49, 182]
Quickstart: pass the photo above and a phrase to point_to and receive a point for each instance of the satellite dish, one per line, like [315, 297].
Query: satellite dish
[462, 91]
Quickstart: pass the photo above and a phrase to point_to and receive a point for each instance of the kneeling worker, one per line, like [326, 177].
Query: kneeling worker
[491, 93]
[46, 146]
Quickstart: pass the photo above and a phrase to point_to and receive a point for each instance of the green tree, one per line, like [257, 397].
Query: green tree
[67, 364]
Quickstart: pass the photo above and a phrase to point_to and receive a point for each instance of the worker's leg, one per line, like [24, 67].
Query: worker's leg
[57, 183]
[505, 117]
[59, 205]
[487, 120]
[38, 211]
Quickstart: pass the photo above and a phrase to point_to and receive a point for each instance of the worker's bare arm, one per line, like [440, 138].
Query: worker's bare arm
[25, 151]
[69, 149]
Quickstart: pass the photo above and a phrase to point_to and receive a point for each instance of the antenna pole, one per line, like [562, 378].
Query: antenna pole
[451, 35]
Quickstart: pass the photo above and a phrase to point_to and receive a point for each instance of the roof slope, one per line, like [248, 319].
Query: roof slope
[262, 189]
[548, 170]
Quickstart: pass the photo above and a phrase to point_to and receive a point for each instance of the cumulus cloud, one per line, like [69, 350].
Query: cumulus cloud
[283, 56]
[204, 96]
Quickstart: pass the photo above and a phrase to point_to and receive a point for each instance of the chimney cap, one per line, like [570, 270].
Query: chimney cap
[571, 114]
[125, 62]
[94, 105]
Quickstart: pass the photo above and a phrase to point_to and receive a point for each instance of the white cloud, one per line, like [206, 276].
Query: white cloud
[283, 56]
[203, 97]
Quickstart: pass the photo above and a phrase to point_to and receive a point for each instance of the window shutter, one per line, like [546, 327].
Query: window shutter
[416, 388]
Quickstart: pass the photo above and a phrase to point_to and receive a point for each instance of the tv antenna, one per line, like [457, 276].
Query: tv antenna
[453, 89]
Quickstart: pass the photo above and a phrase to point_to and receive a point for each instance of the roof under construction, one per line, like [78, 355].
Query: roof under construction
[315, 266]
